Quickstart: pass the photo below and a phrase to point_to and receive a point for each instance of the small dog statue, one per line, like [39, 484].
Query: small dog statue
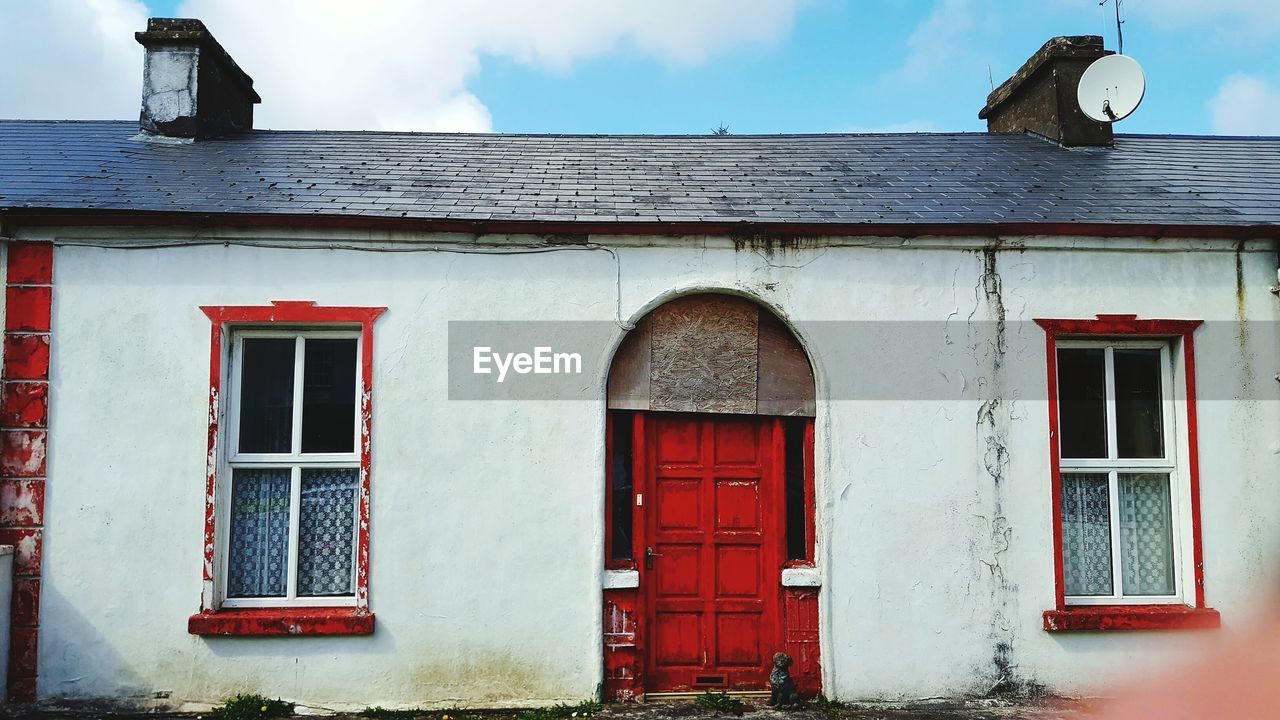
[782, 689]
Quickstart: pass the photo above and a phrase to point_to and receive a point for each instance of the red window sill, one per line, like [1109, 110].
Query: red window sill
[248, 622]
[1131, 617]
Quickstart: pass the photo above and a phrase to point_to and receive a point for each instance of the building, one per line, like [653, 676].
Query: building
[937, 414]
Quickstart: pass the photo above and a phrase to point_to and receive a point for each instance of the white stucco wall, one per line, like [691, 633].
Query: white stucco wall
[487, 515]
[6, 604]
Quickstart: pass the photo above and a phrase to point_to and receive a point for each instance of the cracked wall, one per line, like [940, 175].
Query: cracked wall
[933, 513]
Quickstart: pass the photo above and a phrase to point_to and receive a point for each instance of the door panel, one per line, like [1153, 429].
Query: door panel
[714, 526]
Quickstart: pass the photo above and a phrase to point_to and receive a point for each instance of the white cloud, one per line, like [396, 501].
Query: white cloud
[937, 41]
[1246, 105]
[70, 59]
[1233, 21]
[378, 65]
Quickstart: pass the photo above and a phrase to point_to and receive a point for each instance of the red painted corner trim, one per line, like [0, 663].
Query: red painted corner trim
[1123, 326]
[1131, 617]
[291, 312]
[258, 622]
[30, 263]
[24, 421]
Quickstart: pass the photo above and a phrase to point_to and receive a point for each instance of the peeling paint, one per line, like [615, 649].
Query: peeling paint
[449, 522]
[622, 670]
[293, 312]
[24, 415]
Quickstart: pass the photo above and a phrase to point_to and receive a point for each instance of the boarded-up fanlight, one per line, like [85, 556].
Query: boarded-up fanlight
[712, 353]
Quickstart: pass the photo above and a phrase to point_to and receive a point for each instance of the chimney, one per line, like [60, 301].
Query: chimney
[191, 88]
[1041, 96]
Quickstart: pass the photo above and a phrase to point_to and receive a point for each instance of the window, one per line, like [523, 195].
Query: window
[286, 541]
[294, 468]
[796, 438]
[621, 431]
[1118, 473]
[1125, 484]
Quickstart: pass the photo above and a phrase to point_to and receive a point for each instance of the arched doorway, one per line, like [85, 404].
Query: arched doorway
[710, 502]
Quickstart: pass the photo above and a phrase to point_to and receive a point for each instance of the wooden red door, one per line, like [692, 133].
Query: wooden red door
[713, 551]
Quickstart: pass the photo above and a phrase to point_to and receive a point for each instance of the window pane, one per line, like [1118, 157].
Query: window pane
[1146, 534]
[326, 531]
[1082, 402]
[797, 527]
[258, 565]
[329, 396]
[620, 472]
[266, 395]
[1139, 422]
[1086, 534]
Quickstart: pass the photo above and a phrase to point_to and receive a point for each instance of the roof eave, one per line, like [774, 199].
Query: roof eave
[52, 217]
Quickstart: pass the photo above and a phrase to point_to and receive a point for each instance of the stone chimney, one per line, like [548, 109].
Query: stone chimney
[191, 88]
[1041, 96]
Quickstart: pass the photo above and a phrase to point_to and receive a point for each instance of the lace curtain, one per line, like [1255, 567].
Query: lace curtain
[1145, 534]
[259, 562]
[259, 556]
[326, 531]
[1086, 534]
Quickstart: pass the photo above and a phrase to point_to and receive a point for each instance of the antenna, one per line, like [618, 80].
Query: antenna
[1111, 88]
[1119, 23]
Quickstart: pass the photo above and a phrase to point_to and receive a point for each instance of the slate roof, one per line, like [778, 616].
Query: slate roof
[933, 179]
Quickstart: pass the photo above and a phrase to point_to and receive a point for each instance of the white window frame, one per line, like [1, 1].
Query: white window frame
[295, 460]
[1175, 463]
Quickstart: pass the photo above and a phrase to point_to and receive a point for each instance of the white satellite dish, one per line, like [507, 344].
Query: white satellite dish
[1111, 88]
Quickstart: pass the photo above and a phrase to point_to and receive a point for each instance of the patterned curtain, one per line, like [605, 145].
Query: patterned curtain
[326, 531]
[1086, 534]
[1146, 534]
[259, 562]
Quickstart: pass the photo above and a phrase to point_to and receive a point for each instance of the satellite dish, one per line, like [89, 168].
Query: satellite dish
[1111, 88]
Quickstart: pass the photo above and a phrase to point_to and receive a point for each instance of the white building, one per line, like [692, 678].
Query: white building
[938, 414]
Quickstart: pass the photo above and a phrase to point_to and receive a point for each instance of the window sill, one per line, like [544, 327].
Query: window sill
[249, 622]
[1131, 617]
[801, 576]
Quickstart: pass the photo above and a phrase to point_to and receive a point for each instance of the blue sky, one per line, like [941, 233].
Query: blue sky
[840, 70]
[757, 66]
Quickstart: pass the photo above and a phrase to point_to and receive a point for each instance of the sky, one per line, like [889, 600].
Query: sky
[647, 66]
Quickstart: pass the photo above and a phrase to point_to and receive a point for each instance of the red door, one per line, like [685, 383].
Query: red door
[713, 544]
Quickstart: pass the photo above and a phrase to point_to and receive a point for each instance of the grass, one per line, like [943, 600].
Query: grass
[581, 711]
[584, 709]
[828, 708]
[720, 703]
[381, 713]
[252, 707]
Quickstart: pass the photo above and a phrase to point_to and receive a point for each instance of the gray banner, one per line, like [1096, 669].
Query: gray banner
[854, 360]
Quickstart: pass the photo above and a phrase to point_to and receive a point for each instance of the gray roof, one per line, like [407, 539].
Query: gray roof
[802, 180]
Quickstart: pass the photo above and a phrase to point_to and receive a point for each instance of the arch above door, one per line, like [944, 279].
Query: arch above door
[712, 353]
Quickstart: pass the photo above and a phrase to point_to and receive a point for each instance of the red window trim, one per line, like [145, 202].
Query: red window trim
[1131, 617]
[610, 427]
[1125, 617]
[283, 621]
[293, 620]
[810, 504]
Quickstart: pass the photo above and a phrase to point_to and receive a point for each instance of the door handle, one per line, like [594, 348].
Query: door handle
[649, 555]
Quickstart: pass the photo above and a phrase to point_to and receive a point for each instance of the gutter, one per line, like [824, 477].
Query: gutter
[746, 230]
